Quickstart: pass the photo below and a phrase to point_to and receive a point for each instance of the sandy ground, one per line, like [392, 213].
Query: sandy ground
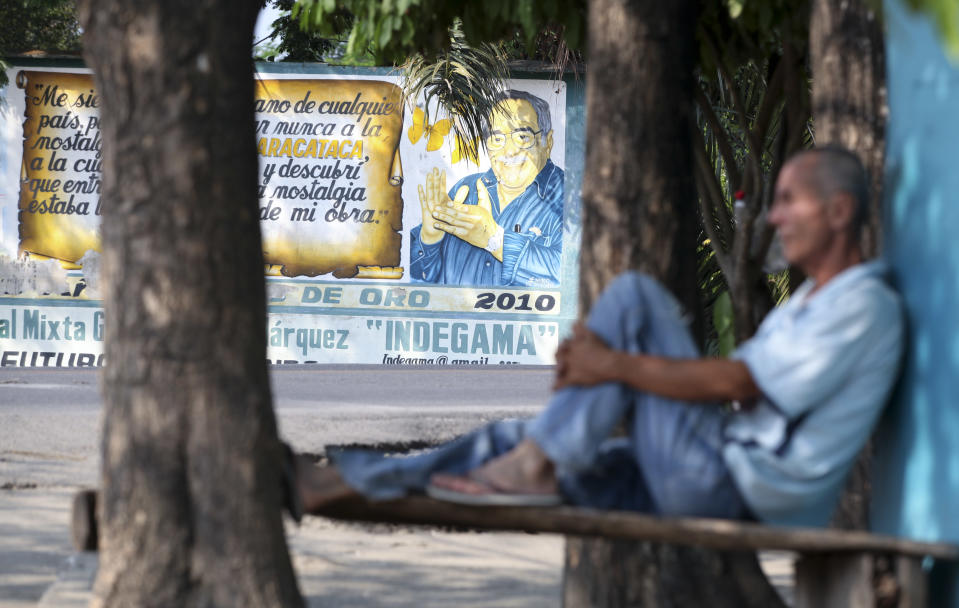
[337, 564]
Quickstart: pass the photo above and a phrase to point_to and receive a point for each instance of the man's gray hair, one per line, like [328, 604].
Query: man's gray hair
[543, 121]
[838, 170]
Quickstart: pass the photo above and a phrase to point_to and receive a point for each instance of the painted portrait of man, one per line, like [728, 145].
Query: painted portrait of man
[502, 227]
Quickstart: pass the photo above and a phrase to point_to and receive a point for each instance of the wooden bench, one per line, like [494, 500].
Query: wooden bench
[834, 570]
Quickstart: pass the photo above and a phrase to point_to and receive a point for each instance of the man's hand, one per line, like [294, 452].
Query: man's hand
[472, 223]
[432, 198]
[583, 359]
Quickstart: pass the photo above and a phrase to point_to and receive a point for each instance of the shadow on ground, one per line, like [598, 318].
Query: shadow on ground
[411, 567]
[34, 542]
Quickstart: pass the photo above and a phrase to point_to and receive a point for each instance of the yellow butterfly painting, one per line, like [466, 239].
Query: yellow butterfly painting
[435, 133]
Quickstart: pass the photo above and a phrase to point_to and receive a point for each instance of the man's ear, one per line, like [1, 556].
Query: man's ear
[549, 143]
[841, 211]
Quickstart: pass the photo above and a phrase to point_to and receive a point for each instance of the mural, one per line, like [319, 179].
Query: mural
[386, 240]
[505, 225]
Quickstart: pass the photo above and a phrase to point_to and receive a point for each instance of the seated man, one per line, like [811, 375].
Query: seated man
[811, 384]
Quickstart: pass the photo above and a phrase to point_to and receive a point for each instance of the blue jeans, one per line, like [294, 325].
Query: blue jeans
[671, 462]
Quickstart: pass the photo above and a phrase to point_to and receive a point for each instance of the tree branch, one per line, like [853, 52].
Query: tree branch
[711, 187]
[770, 101]
[796, 112]
[753, 147]
[722, 258]
[722, 138]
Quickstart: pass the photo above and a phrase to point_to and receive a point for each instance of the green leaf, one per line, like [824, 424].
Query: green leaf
[723, 322]
[385, 31]
[525, 15]
[735, 8]
[317, 16]
[351, 42]
[408, 32]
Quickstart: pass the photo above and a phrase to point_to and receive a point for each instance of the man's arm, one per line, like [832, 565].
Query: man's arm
[426, 261]
[584, 360]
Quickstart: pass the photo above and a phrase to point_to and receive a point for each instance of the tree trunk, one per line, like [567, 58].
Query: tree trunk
[847, 54]
[640, 212]
[849, 108]
[613, 574]
[191, 496]
[639, 191]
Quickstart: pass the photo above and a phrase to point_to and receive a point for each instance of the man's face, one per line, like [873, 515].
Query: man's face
[514, 166]
[800, 216]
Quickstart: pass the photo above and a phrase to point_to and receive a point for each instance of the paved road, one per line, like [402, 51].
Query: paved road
[49, 419]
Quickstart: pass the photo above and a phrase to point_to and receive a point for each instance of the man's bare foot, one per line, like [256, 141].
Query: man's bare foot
[320, 487]
[523, 470]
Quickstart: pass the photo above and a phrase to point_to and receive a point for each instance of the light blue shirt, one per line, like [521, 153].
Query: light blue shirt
[825, 363]
[532, 239]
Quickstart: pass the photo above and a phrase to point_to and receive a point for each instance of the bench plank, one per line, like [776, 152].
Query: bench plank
[712, 533]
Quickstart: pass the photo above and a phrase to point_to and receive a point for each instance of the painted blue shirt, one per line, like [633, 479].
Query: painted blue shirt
[532, 240]
[825, 363]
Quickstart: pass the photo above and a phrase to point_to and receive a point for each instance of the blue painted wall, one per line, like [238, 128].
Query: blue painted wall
[917, 471]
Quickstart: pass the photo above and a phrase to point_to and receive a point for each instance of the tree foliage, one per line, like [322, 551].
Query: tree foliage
[39, 25]
[48, 26]
[392, 30]
[753, 112]
[294, 43]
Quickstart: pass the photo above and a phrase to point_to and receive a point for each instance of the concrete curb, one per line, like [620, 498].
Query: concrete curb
[74, 585]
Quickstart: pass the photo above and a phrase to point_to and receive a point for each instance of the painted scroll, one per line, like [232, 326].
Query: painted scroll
[330, 177]
[60, 168]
